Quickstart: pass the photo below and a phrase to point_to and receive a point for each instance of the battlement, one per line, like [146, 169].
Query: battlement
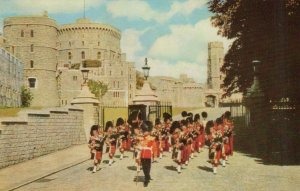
[29, 20]
[215, 44]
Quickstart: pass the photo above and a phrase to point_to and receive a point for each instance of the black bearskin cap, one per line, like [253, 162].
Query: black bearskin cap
[167, 116]
[175, 125]
[204, 114]
[120, 121]
[227, 114]
[184, 114]
[108, 125]
[94, 128]
[157, 121]
[197, 117]
[219, 121]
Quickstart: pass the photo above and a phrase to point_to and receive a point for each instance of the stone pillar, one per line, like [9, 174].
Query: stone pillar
[89, 103]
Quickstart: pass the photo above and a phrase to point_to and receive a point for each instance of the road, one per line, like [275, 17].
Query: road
[242, 173]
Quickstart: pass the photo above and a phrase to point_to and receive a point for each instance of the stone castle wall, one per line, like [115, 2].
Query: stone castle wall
[36, 133]
[33, 39]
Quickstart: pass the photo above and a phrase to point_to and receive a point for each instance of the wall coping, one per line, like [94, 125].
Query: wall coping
[22, 117]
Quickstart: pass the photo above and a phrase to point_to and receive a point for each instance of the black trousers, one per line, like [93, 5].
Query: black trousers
[146, 164]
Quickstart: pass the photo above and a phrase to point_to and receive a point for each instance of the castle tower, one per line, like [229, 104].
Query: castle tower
[34, 41]
[214, 63]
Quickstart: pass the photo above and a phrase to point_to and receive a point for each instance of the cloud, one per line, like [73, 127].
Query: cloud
[52, 6]
[184, 50]
[136, 9]
[131, 44]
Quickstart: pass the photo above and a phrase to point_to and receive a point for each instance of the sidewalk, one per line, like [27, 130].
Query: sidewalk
[23, 173]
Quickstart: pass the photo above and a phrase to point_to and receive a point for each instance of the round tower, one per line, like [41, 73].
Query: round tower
[85, 40]
[34, 39]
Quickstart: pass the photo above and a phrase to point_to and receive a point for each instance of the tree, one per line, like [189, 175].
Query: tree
[265, 30]
[26, 97]
[98, 88]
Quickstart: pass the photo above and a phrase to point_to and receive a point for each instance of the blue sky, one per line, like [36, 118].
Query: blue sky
[173, 34]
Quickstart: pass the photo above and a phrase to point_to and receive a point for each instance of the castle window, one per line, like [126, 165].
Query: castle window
[114, 84]
[32, 82]
[110, 73]
[83, 55]
[118, 84]
[82, 43]
[121, 73]
[31, 33]
[74, 78]
[130, 86]
[31, 63]
[98, 43]
[129, 96]
[70, 43]
[99, 55]
[22, 33]
[69, 55]
[31, 48]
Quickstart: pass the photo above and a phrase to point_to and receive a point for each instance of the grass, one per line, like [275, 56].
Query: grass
[12, 112]
[112, 114]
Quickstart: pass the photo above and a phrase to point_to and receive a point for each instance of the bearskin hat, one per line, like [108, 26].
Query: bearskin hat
[227, 114]
[175, 125]
[204, 114]
[108, 125]
[209, 124]
[196, 117]
[120, 121]
[94, 128]
[184, 114]
[167, 116]
[183, 122]
[157, 121]
[219, 121]
[189, 120]
[190, 114]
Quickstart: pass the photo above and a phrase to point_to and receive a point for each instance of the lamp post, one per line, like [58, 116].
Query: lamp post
[146, 69]
[85, 75]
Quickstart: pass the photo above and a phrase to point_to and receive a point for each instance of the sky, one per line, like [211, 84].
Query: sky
[172, 34]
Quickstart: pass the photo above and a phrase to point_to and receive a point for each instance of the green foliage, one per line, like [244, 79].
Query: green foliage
[261, 30]
[97, 87]
[139, 80]
[26, 97]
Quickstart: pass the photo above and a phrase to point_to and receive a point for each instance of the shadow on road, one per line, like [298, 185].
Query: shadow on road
[205, 168]
[139, 179]
[274, 143]
[173, 168]
[131, 168]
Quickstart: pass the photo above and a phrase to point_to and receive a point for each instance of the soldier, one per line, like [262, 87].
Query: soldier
[178, 145]
[123, 136]
[156, 145]
[146, 151]
[112, 140]
[96, 143]
[216, 144]
[204, 118]
[230, 126]
[165, 139]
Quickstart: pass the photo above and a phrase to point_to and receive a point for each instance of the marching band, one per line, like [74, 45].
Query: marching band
[147, 142]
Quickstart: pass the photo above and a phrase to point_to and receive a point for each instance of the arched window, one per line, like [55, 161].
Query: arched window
[99, 55]
[22, 33]
[31, 48]
[69, 55]
[31, 33]
[82, 55]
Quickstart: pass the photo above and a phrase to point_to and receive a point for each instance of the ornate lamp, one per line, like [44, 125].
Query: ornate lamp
[146, 69]
[85, 75]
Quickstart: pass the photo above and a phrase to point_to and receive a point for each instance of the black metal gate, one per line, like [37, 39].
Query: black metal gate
[156, 111]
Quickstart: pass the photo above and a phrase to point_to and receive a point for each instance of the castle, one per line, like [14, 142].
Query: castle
[52, 55]
[49, 53]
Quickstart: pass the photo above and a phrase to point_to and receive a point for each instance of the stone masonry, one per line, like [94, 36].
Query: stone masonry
[39, 132]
